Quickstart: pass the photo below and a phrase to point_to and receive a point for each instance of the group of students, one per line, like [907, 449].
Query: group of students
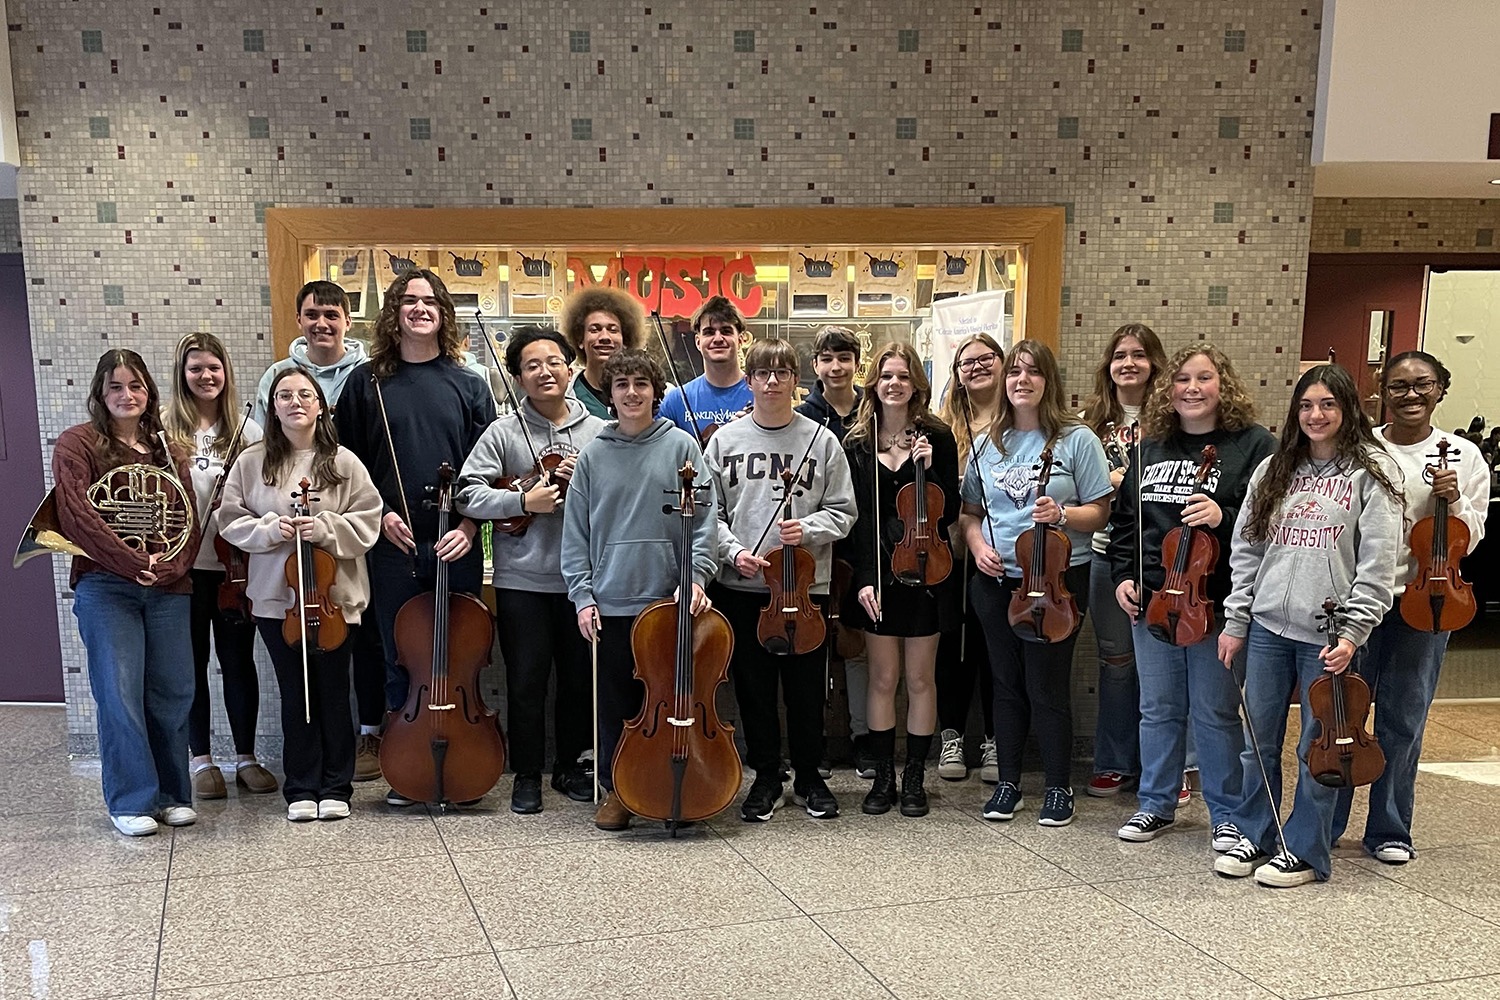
[1322, 512]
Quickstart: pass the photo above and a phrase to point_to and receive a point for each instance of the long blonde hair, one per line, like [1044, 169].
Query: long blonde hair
[957, 409]
[181, 417]
[1051, 414]
[917, 412]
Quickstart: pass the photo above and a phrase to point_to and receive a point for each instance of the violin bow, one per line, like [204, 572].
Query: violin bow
[661, 336]
[390, 443]
[302, 501]
[1140, 534]
[510, 394]
[979, 473]
[230, 455]
[594, 657]
[788, 499]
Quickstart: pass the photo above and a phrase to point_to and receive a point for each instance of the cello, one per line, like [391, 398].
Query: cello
[1181, 612]
[233, 604]
[1042, 608]
[313, 622]
[444, 744]
[1344, 754]
[790, 622]
[922, 558]
[1438, 599]
[676, 761]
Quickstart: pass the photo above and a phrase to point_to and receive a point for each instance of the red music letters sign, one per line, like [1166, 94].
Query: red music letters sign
[669, 284]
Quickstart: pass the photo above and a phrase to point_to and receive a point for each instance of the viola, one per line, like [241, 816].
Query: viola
[542, 470]
[1181, 612]
[1438, 599]
[1344, 754]
[310, 573]
[1042, 608]
[790, 622]
[676, 760]
[444, 744]
[234, 604]
[922, 558]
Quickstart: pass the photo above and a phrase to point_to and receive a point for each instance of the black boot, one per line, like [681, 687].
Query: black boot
[913, 795]
[882, 793]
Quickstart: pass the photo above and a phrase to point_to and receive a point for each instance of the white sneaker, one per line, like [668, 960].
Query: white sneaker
[1394, 854]
[989, 763]
[179, 816]
[302, 810]
[1240, 860]
[333, 809]
[1285, 871]
[1225, 838]
[951, 766]
[134, 826]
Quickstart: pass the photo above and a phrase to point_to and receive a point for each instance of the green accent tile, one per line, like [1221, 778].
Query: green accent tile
[104, 211]
[1218, 295]
[416, 41]
[93, 41]
[260, 128]
[906, 128]
[1353, 237]
[420, 129]
[1072, 40]
[1223, 211]
[260, 210]
[114, 295]
[744, 40]
[583, 128]
[265, 295]
[744, 128]
[1484, 237]
[1067, 212]
[1234, 40]
[579, 41]
[908, 40]
[1229, 127]
[99, 127]
[1067, 127]
[255, 40]
[1067, 295]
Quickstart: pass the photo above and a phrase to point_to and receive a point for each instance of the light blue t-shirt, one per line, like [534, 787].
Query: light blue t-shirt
[1080, 475]
[711, 405]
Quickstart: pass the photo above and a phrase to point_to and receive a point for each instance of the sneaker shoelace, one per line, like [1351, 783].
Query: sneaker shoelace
[1285, 861]
[1057, 798]
[987, 753]
[1243, 851]
[1141, 820]
[1226, 830]
[953, 751]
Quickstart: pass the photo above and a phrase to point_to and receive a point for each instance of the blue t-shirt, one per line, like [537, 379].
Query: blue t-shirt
[711, 405]
[1080, 475]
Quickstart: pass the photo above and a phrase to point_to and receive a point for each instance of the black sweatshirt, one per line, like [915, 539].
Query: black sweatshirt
[816, 407]
[438, 409]
[1171, 466]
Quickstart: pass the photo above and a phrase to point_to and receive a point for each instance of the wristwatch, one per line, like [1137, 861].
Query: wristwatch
[1062, 516]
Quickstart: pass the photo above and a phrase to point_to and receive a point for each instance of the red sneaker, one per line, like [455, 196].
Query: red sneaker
[1186, 793]
[1107, 783]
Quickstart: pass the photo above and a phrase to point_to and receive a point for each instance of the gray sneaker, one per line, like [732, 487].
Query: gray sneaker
[951, 766]
[989, 763]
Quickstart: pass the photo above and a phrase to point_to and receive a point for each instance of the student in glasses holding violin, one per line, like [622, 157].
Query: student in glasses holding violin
[721, 393]
[1001, 502]
[1321, 520]
[747, 458]
[535, 452]
[599, 322]
[902, 614]
[1402, 660]
[1189, 498]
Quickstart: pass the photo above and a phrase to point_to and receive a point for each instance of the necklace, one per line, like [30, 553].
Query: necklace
[901, 437]
[1321, 470]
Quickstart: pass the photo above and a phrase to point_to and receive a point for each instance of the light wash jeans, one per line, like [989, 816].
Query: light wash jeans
[1117, 732]
[141, 672]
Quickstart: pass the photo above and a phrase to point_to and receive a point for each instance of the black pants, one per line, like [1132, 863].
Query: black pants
[234, 642]
[318, 756]
[537, 631]
[1033, 681]
[367, 660]
[757, 675]
[620, 694]
[392, 584]
[960, 659]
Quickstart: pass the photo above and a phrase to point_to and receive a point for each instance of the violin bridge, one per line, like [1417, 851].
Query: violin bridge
[441, 708]
[680, 722]
[1035, 594]
[1345, 739]
[790, 611]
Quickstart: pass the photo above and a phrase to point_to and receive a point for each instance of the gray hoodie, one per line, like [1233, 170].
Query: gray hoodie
[619, 550]
[1337, 534]
[528, 561]
[329, 377]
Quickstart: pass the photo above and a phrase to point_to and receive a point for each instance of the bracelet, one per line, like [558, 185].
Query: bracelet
[1062, 517]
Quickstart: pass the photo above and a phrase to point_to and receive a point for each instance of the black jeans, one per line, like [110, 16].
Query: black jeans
[960, 659]
[367, 660]
[757, 675]
[620, 694]
[537, 631]
[318, 756]
[235, 645]
[1033, 681]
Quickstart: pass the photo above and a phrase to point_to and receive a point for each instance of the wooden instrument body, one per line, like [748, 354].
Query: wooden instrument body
[848, 643]
[1181, 612]
[1438, 599]
[233, 602]
[313, 612]
[522, 484]
[1344, 754]
[790, 622]
[922, 558]
[1042, 608]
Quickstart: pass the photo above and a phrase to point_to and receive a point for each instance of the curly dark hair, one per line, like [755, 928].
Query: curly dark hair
[385, 344]
[1236, 409]
[601, 298]
[523, 337]
[633, 362]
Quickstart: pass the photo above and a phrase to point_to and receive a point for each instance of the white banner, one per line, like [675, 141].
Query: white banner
[959, 317]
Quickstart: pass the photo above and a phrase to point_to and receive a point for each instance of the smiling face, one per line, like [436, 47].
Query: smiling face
[894, 387]
[977, 364]
[1195, 394]
[544, 371]
[633, 397]
[1320, 417]
[125, 394]
[204, 374]
[836, 369]
[602, 336]
[296, 401]
[418, 315]
[718, 340]
[1129, 365]
[1412, 391]
[322, 326]
[1024, 383]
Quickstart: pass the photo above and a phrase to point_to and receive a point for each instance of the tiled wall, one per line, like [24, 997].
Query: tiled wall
[1405, 225]
[1176, 133]
[10, 226]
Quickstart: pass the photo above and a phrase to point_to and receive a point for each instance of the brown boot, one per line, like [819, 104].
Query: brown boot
[208, 782]
[367, 757]
[253, 778]
[612, 815]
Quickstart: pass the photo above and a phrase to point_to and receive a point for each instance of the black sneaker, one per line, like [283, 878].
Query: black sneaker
[825, 768]
[395, 798]
[882, 793]
[1005, 803]
[913, 795]
[864, 764]
[761, 801]
[1057, 807]
[576, 783]
[816, 799]
[1240, 860]
[526, 794]
[1285, 871]
[1143, 827]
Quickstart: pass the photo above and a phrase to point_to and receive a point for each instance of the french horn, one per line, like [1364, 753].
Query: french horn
[145, 505]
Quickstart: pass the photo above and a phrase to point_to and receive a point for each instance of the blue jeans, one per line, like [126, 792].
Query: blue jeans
[1179, 684]
[1401, 665]
[1274, 668]
[141, 672]
[1117, 734]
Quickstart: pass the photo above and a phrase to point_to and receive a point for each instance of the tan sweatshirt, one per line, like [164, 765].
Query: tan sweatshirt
[347, 524]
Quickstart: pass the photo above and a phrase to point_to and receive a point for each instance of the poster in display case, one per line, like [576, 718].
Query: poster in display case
[956, 272]
[472, 275]
[818, 282]
[349, 268]
[885, 281]
[537, 281]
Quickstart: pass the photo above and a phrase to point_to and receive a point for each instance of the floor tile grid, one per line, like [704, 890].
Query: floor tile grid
[469, 898]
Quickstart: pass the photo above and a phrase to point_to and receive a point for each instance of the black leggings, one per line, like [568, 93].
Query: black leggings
[318, 756]
[536, 631]
[235, 645]
[956, 674]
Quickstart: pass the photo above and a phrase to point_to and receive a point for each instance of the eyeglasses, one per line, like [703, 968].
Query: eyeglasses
[764, 375]
[552, 363]
[978, 361]
[603, 328]
[719, 331]
[304, 395]
[1421, 387]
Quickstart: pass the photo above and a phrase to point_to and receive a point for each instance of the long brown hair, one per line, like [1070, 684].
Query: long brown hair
[917, 412]
[1354, 447]
[385, 344]
[279, 447]
[106, 446]
[957, 409]
[181, 417]
[1103, 407]
[1051, 414]
[1236, 409]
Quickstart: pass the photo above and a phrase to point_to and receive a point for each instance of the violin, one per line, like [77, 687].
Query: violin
[1438, 599]
[1181, 612]
[790, 622]
[922, 557]
[1042, 608]
[676, 760]
[310, 573]
[443, 640]
[542, 470]
[1344, 754]
[234, 604]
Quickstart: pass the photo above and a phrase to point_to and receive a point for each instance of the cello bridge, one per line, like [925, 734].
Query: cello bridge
[1346, 739]
[441, 708]
[680, 722]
